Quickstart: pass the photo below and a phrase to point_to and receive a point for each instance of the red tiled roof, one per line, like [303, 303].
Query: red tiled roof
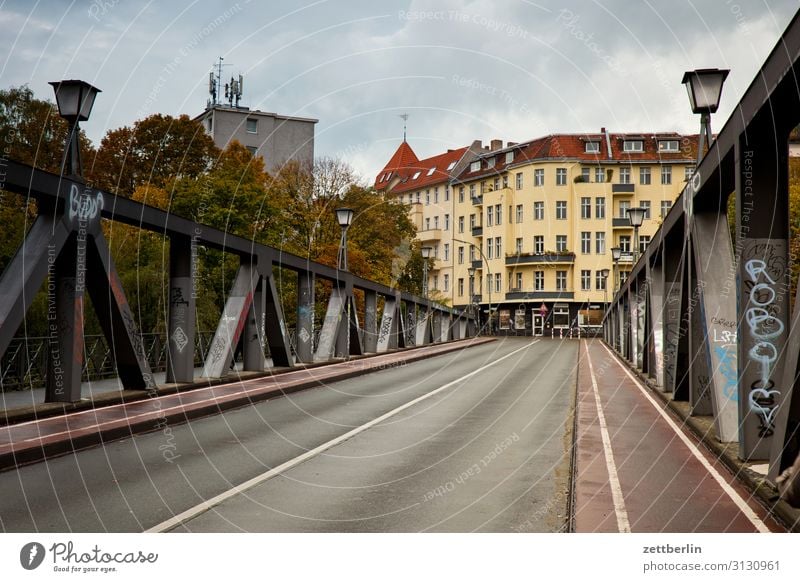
[403, 157]
[573, 147]
[433, 170]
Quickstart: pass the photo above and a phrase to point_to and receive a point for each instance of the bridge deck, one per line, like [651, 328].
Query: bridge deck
[31, 441]
[639, 470]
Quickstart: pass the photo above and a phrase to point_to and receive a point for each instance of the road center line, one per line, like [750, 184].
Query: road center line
[726, 487]
[200, 508]
[623, 525]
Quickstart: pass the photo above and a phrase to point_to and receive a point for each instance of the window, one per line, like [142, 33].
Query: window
[252, 150]
[497, 183]
[498, 246]
[519, 180]
[498, 282]
[489, 215]
[599, 281]
[634, 145]
[446, 251]
[646, 205]
[451, 166]
[436, 195]
[252, 125]
[586, 207]
[538, 280]
[446, 282]
[586, 174]
[461, 194]
[687, 173]
[625, 243]
[538, 210]
[509, 157]
[586, 280]
[538, 244]
[505, 180]
[417, 197]
[472, 191]
[431, 171]
[447, 193]
[427, 197]
[624, 205]
[520, 213]
[600, 243]
[561, 280]
[472, 221]
[460, 286]
[475, 166]
[592, 147]
[561, 176]
[498, 214]
[623, 276]
[561, 243]
[518, 246]
[600, 207]
[472, 253]
[561, 210]
[519, 281]
[586, 243]
[666, 175]
[538, 177]
[644, 176]
[665, 206]
[599, 175]
[490, 248]
[447, 222]
[460, 255]
[435, 280]
[460, 224]
[624, 175]
[490, 162]
[644, 241]
[668, 145]
[427, 223]
[483, 187]
[415, 176]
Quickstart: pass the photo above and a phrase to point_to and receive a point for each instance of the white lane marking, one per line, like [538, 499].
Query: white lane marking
[193, 512]
[623, 525]
[735, 497]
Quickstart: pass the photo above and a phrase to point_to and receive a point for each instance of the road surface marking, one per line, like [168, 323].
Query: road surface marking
[735, 497]
[623, 525]
[193, 512]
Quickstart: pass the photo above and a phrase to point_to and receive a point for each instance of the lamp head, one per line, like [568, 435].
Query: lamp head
[636, 216]
[74, 98]
[344, 216]
[426, 252]
[616, 253]
[704, 87]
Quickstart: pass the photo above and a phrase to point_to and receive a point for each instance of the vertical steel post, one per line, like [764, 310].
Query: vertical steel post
[370, 321]
[305, 316]
[181, 326]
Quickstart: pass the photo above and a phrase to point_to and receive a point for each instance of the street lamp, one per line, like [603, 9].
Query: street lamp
[604, 274]
[636, 217]
[471, 271]
[75, 100]
[488, 272]
[426, 253]
[345, 218]
[616, 255]
[704, 87]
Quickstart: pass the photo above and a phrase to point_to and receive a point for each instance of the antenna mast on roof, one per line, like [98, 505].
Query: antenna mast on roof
[215, 82]
[404, 117]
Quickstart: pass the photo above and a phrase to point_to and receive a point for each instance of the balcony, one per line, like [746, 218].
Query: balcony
[547, 257]
[622, 189]
[477, 200]
[477, 263]
[550, 295]
[430, 235]
[621, 223]
[477, 231]
[626, 257]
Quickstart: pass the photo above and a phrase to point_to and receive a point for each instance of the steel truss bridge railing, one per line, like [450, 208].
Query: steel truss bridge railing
[707, 317]
[65, 249]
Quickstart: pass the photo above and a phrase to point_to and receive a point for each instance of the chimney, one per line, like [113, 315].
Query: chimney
[512, 143]
[497, 144]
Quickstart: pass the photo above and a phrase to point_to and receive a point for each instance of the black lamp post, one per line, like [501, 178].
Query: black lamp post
[426, 253]
[604, 274]
[345, 218]
[636, 217]
[75, 100]
[705, 88]
[616, 255]
[471, 271]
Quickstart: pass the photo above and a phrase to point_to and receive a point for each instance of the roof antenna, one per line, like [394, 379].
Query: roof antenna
[404, 117]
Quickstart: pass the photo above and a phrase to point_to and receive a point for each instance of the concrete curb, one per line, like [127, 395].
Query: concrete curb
[75, 442]
[761, 489]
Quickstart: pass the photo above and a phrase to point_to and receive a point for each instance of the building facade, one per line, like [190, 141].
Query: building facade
[275, 138]
[524, 231]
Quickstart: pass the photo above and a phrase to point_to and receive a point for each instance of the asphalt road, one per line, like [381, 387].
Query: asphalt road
[483, 444]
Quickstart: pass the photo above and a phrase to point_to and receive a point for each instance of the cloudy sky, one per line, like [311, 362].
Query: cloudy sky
[462, 70]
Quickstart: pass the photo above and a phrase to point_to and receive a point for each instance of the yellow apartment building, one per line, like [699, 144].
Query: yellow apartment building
[524, 231]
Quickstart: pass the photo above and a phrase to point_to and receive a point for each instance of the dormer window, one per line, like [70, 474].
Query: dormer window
[415, 176]
[475, 166]
[509, 157]
[592, 147]
[490, 162]
[668, 145]
[632, 145]
[451, 166]
[431, 171]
